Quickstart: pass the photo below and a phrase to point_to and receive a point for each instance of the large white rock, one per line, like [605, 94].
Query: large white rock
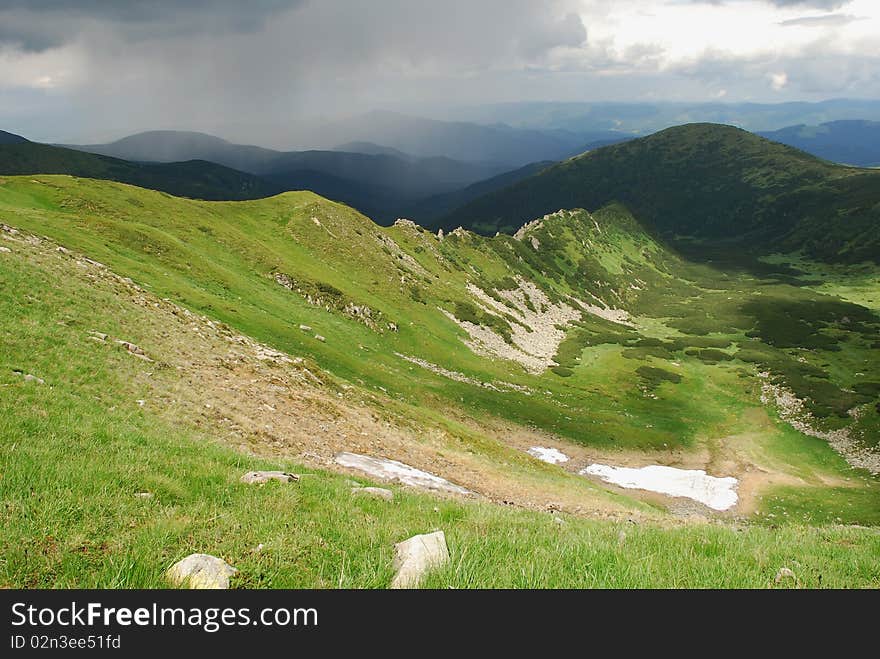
[392, 470]
[414, 557]
[201, 571]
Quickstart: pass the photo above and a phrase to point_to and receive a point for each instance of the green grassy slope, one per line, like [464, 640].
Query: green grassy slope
[194, 179]
[682, 377]
[75, 450]
[705, 181]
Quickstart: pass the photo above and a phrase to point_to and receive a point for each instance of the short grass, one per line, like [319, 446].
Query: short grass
[76, 449]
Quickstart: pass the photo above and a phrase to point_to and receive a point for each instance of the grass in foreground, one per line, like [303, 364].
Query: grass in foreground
[75, 450]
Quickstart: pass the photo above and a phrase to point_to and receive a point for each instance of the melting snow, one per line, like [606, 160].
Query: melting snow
[551, 455]
[717, 493]
[391, 470]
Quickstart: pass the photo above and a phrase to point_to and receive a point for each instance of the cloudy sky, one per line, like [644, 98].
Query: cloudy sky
[90, 70]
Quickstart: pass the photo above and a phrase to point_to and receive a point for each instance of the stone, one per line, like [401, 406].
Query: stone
[5, 250]
[784, 573]
[131, 347]
[201, 571]
[320, 338]
[135, 350]
[259, 477]
[305, 328]
[144, 495]
[33, 378]
[373, 492]
[391, 470]
[415, 556]
[97, 336]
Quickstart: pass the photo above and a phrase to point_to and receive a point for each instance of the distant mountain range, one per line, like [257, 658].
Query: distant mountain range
[851, 142]
[379, 184]
[708, 182]
[392, 177]
[196, 179]
[639, 119]
[510, 146]
[428, 210]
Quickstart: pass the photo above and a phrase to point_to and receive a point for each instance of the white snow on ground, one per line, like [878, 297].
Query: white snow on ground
[391, 470]
[551, 455]
[717, 493]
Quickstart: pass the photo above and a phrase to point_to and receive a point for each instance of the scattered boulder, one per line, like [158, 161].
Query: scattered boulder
[260, 477]
[201, 571]
[5, 250]
[131, 347]
[30, 378]
[373, 492]
[305, 328]
[97, 336]
[137, 351]
[144, 495]
[62, 250]
[415, 556]
[320, 338]
[784, 573]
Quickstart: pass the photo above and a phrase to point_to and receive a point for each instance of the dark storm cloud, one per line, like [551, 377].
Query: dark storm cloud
[37, 25]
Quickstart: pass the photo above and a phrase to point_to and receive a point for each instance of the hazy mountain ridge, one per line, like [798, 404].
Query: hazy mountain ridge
[849, 142]
[378, 183]
[639, 119]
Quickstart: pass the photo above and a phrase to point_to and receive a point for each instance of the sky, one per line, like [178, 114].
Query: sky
[93, 70]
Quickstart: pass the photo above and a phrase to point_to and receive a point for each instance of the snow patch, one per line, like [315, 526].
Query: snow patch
[716, 493]
[391, 470]
[551, 455]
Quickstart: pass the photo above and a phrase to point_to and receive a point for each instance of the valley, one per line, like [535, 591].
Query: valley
[522, 368]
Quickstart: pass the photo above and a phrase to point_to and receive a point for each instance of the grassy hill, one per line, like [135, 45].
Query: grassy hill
[194, 179]
[285, 329]
[705, 181]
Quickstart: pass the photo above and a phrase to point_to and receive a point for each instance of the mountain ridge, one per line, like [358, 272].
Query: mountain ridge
[195, 179]
[707, 181]
[849, 142]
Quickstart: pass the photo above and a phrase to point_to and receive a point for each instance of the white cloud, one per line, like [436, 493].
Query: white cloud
[779, 81]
